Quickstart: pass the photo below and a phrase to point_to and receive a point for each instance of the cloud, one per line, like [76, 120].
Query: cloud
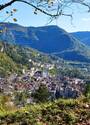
[85, 19]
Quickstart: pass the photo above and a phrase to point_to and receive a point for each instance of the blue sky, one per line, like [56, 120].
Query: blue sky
[25, 16]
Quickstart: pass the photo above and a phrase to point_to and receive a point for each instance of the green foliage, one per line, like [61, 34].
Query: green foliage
[41, 94]
[87, 92]
[72, 72]
[7, 65]
[59, 112]
[53, 71]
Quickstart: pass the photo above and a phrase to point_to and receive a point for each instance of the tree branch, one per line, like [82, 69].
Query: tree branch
[59, 10]
[82, 3]
[39, 9]
[7, 4]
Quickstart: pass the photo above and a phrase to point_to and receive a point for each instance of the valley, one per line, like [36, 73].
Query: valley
[43, 80]
[23, 70]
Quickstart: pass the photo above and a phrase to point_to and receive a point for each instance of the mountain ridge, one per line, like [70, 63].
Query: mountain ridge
[83, 36]
[48, 39]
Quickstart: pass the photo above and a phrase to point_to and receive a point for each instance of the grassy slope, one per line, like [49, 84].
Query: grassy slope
[13, 58]
[60, 112]
[7, 65]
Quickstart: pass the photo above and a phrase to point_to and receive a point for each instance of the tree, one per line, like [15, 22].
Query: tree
[41, 94]
[87, 92]
[52, 8]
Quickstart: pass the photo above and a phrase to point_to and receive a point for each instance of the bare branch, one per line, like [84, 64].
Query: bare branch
[82, 2]
[52, 8]
[7, 4]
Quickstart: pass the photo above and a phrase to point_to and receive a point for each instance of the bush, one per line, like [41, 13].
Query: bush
[41, 94]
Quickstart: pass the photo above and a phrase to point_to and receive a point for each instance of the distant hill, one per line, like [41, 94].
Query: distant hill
[83, 36]
[47, 39]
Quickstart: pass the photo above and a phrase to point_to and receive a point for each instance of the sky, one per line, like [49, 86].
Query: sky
[25, 17]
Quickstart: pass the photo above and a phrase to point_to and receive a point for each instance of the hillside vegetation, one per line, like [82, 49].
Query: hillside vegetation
[60, 112]
[7, 64]
[14, 58]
